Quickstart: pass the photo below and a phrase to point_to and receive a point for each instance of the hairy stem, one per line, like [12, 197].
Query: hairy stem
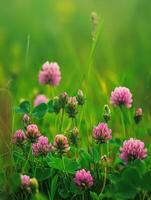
[123, 123]
[61, 121]
[104, 180]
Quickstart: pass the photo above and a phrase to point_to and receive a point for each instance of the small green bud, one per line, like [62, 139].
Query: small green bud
[80, 97]
[107, 113]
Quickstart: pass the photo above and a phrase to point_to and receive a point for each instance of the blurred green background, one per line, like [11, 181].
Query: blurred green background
[32, 32]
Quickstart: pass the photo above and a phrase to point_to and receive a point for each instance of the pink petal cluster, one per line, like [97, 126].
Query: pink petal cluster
[25, 181]
[42, 147]
[61, 143]
[133, 149]
[83, 179]
[121, 96]
[50, 74]
[32, 132]
[18, 138]
[101, 133]
[40, 99]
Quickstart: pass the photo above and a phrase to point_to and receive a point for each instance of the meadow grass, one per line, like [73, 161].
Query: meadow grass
[61, 31]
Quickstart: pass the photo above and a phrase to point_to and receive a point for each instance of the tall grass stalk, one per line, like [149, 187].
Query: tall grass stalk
[92, 51]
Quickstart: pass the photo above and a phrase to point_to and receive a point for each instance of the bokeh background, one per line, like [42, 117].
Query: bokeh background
[32, 32]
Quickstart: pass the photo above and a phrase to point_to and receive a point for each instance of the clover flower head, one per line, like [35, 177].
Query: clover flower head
[83, 179]
[101, 133]
[18, 137]
[42, 147]
[50, 74]
[25, 183]
[121, 96]
[133, 149]
[40, 99]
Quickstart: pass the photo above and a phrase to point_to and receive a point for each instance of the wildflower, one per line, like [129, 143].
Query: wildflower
[133, 149]
[74, 135]
[32, 132]
[121, 96]
[18, 138]
[40, 99]
[34, 185]
[61, 144]
[29, 184]
[25, 183]
[107, 113]
[63, 99]
[102, 133]
[56, 105]
[26, 119]
[42, 147]
[138, 115]
[50, 74]
[80, 97]
[83, 179]
[71, 107]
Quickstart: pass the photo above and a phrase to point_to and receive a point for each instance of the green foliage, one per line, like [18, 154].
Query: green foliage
[15, 182]
[42, 173]
[40, 111]
[146, 181]
[24, 107]
[54, 186]
[65, 164]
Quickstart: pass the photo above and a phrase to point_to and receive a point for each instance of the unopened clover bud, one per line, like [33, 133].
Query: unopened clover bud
[34, 185]
[56, 105]
[80, 97]
[61, 145]
[32, 133]
[138, 115]
[71, 107]
[107, 113]
[26, 119]
[63, 99]
[74, 135]
[75, 131]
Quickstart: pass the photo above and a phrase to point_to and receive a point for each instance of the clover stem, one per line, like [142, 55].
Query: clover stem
[27, 159]
[83, 196]
[61, 121]
[123, 123]
[104, 180]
